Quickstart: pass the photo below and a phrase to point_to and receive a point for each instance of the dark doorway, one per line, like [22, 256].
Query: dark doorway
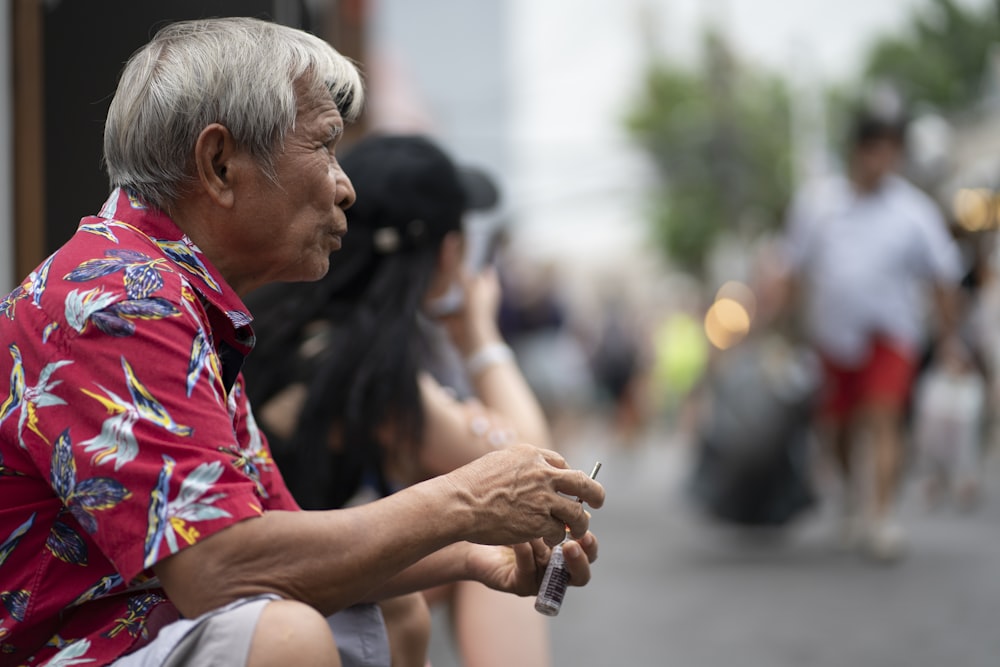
[85, 46]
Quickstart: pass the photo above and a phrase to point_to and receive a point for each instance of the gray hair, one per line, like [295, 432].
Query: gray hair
[239, 72]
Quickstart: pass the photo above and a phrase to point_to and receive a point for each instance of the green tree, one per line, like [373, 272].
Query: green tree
[940, 57]
[719, 138]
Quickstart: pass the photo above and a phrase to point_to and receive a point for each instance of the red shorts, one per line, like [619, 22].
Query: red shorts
[885, 378]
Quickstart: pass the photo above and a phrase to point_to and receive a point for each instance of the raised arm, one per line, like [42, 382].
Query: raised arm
[492, 369]
[504, 410]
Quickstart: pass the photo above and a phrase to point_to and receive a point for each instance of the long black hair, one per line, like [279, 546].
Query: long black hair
[351, 338]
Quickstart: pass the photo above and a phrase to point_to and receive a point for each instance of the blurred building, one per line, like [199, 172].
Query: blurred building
[438, 66]
[522, 89]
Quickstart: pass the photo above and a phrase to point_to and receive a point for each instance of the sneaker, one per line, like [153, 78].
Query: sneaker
[886, 541]
[850, 531]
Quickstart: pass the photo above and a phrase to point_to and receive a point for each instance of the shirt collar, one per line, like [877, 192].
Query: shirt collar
[126, 207]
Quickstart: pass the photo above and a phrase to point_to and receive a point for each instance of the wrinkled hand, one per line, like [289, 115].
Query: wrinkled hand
[519, 569]
[521, 493]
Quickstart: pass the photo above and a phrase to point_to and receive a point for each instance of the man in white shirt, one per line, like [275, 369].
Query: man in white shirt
[865, 247]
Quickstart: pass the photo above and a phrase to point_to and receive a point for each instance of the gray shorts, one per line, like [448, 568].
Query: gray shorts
[222, 637]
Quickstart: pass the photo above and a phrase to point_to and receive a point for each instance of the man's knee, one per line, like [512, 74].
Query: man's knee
[292, 633]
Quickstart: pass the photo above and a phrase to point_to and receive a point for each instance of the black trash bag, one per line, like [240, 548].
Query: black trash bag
[752, 466]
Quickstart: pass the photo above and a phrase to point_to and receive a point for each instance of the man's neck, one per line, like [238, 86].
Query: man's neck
[867, 185]
[193, 217]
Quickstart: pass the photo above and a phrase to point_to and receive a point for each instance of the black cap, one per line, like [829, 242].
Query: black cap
[409, 192]
[880, 114]
[868, 128]
[480, 191]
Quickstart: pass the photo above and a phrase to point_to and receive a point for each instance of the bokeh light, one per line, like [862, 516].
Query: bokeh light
[974, 209]
[727, 322]
[740, 293]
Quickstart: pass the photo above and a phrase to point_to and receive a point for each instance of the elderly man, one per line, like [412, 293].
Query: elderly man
[142, 521]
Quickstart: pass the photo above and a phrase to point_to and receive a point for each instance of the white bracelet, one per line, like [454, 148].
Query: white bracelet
[486, 356]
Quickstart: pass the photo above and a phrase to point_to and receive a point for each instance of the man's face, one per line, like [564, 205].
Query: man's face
[874, 160]
[289, 228]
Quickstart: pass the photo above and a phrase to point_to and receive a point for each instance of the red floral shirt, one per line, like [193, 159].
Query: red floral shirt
[125, 435]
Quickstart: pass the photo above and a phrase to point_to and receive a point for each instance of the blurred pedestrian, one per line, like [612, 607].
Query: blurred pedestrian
[949, 405]
[867, 246]
[680, 359]
[339, 377]
[619, 366]
[537, 318]
[950, 408]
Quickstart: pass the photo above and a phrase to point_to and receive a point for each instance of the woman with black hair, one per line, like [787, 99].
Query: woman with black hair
[339, 382]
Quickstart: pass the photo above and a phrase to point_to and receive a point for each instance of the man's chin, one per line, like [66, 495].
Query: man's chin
[308, 272]
[313, 276]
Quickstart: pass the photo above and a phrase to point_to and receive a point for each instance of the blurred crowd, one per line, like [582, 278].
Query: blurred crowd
[861, 343]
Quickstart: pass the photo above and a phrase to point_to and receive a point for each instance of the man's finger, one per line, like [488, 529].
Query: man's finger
[556, 535]
[524, 557]
[573, 516]
[553, 458]
[580, 486]
[577, 563]
[589, 545]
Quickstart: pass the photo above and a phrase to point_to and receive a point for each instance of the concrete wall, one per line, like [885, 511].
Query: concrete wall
[446, 63]
[440, 67]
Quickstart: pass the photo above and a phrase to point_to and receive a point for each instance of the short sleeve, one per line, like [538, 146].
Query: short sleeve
[144, 454]
[939, 256]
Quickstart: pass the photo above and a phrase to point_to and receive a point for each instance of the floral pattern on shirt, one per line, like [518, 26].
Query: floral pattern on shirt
[125, 433]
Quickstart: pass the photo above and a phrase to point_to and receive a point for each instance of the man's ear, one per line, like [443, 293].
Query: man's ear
[214, 154]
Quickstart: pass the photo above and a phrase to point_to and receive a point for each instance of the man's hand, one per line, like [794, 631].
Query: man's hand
[408, 541]
[953, 355]
[519, 569]
[521, 493]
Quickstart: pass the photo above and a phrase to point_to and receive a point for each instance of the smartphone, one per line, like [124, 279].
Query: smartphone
[485, 252]
[451, 301]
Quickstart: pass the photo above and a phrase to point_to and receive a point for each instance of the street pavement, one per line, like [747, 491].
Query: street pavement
[670, 588]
